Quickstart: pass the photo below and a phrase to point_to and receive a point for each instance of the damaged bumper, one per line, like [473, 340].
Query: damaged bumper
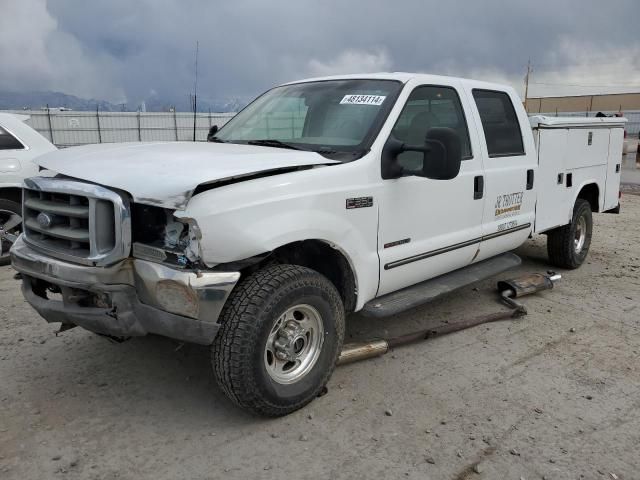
[131, 298]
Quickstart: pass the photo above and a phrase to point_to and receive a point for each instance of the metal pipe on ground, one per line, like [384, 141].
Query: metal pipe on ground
[508, 289]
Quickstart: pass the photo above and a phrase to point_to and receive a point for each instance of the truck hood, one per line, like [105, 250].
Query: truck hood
[166, 174]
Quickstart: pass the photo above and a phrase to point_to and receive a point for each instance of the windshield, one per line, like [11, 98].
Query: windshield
[339, 118]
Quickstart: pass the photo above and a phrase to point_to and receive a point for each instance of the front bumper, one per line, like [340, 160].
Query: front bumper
[131, 298]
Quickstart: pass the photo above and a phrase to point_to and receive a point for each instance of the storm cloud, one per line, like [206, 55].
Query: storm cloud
[125, 50]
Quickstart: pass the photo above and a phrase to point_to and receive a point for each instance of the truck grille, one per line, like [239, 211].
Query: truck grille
[76, 221]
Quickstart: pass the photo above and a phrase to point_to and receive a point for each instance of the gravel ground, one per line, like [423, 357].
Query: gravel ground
[555, 395]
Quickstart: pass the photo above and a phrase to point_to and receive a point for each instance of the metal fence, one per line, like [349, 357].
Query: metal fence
[70, 128]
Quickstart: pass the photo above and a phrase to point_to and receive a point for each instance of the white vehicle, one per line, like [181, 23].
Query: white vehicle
[322, 197]
[19, 145]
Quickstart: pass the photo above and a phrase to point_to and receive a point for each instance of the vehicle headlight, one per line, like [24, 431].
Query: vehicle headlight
[158, 236]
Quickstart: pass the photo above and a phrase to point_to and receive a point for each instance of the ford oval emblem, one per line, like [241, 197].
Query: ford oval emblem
[44, 220]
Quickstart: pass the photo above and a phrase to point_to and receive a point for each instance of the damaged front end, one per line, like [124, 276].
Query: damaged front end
[162, 288]
[158, 236]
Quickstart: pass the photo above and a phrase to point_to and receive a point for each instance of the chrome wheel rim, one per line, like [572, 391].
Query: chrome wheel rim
[580, 235]
[10, 222]
[294, 344]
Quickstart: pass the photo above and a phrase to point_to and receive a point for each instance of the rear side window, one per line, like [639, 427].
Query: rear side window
[8, 141]
[500, 123]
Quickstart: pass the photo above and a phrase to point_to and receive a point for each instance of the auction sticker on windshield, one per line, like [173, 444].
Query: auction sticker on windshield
[363, 99]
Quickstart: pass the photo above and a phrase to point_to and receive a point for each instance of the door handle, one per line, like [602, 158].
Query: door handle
[478, 187]
[529, 179]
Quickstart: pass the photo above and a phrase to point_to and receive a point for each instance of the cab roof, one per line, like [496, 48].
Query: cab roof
[405, 77]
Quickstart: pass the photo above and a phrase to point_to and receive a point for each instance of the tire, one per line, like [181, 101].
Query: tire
[7, 209]
[265, 318]
[568, 246]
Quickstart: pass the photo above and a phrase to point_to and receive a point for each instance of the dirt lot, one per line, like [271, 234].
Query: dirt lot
[555, 395]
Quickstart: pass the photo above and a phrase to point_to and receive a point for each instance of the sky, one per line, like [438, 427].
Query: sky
[129, 50]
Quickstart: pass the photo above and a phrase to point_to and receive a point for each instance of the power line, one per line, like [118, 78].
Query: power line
[195, 93]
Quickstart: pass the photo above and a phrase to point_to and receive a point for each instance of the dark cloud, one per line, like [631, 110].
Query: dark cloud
[127, 50]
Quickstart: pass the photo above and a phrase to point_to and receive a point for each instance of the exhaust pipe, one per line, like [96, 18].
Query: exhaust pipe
[354, 352]
[526, 285]
[509, 290]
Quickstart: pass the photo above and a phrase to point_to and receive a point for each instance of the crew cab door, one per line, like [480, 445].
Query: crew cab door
[510, 165]
[429, 227]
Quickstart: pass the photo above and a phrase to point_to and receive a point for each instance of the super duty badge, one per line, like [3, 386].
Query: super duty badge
[360, 202]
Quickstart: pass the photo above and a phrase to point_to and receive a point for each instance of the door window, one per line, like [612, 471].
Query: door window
[8, 141]
[500, 123]
[428, 107]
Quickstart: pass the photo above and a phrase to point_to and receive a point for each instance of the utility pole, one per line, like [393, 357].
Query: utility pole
[526, 84]
[195, 94]
[98, 122]
[50, 126]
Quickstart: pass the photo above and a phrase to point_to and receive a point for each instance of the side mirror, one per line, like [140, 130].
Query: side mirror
[212, 133]
[442, 160]
[442, 156]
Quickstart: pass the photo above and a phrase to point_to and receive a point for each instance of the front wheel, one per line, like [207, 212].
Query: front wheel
[280, 336]
[11, 222]
[568, 246]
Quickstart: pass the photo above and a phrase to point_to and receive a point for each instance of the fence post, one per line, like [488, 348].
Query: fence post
[175, 122]
[50, 126]
[98, 120]
[139, 133]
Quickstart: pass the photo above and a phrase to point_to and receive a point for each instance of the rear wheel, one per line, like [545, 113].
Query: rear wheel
[568, 246]
[11, 222]
[280, 336]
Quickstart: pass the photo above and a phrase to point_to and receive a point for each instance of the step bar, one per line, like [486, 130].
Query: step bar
[425, 292]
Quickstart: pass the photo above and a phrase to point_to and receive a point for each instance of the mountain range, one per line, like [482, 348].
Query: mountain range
[37, 100]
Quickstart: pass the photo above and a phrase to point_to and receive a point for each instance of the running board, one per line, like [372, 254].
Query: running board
[421, 293]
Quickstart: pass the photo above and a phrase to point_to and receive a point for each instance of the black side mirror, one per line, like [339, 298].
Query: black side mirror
[442, 156]
[212, 133]
[442, 161]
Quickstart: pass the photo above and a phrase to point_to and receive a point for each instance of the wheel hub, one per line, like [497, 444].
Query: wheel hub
[290, 342]
[580, 235]
[294, 344]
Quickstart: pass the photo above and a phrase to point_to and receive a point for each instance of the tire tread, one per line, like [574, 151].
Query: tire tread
[231, 353]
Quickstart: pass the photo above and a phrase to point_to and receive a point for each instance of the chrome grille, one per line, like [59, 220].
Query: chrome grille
[76, 221]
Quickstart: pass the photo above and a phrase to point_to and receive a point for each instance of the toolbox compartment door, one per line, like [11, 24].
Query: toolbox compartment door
[553, 196]
[614, 166]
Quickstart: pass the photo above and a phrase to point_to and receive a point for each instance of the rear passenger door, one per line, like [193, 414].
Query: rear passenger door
[510, 166]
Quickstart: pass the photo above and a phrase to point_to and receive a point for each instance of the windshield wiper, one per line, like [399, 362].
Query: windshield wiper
[216, 140]
[268, 142]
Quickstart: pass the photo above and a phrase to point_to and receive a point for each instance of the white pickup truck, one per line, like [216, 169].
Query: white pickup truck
[322, 197]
